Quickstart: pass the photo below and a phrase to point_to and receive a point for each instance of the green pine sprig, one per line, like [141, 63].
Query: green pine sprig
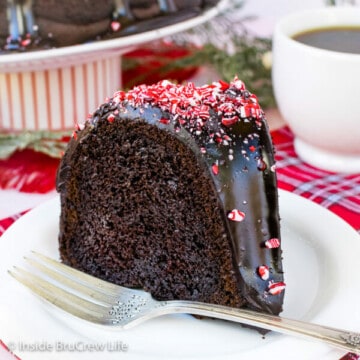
[247, 62]
[50, 143]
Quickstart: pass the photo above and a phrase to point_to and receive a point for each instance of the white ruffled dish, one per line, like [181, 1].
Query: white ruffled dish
[321, 254]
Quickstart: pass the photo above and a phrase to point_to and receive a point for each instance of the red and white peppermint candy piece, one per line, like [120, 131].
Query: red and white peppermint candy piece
[238, 84]
[229, 121]
[227, 108]
[164, 121]
[272, 243]
[115, 26]
[263, 272]
[236, 215]
[222, 85]
[26, 42]
[276, 288]
[111, 118]
[215, 168]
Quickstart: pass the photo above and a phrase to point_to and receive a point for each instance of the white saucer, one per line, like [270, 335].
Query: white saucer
[326, 160]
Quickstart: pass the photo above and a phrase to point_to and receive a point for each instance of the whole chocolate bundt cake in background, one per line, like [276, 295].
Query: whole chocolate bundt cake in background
[42, 24]
[172, 188]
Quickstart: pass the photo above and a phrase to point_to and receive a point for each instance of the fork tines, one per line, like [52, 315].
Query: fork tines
[71, 290]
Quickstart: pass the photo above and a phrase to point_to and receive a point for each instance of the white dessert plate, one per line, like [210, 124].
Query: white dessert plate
[46, 58]
[321, 257]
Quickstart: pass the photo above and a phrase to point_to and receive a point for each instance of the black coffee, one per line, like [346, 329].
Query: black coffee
[341, 39]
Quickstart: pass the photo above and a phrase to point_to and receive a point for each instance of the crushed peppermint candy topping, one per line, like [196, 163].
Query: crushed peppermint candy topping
[276, 288]
[193, 106]
[236, 215]
[272, 243]
[263, 272]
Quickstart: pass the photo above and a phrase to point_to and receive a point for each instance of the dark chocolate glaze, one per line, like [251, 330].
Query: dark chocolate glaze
[246, 181]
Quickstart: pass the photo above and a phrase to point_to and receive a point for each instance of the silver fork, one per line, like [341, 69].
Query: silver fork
[101, 302]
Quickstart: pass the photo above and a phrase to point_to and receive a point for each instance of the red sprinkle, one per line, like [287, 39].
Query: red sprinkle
[276, 288]
[263, 272]
[272, 243]
[74, 135]
[236, 215]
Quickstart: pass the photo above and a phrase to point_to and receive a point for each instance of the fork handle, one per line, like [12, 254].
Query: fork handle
[342, 339]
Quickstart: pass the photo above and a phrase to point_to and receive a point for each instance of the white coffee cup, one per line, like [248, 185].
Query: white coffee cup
[318, 91]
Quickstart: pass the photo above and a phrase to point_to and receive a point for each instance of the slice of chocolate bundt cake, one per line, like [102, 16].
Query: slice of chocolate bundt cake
[172, 188]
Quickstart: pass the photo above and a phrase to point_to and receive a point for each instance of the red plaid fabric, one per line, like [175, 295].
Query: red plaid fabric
[350, 356]
[340, 193]
[5, 223]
